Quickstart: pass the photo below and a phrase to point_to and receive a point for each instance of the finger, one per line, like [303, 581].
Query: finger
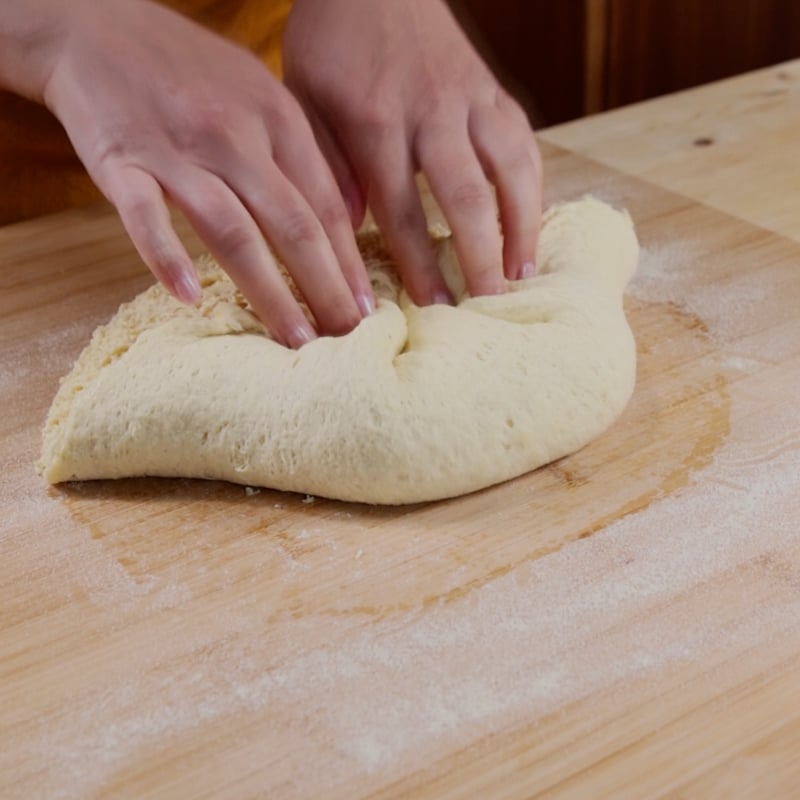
[296, 233]
[508, 153]
[350, 188]
[315, 183]
[459, 184]
[234, 239]
[140, 202]
[394, 199]
[511, 108]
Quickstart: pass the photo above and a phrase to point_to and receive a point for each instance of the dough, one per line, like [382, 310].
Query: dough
[417, 403]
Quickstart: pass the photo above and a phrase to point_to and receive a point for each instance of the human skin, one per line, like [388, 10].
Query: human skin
[162, 111]
[393, 87]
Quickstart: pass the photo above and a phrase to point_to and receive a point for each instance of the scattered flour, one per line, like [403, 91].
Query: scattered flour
[394, 691]
[741, 364]
[667, 273]
[380, 696]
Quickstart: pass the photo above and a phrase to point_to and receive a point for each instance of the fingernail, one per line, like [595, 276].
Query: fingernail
[366, 304]
[299, 336]
[527, 270]
[187, 288]
[443, 298]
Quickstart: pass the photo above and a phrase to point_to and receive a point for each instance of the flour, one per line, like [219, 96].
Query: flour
[668, 273]
[51, 346]
[413, 684]
[382, 696]
[740, 364]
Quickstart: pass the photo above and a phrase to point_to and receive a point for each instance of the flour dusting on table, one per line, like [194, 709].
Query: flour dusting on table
[381, 695]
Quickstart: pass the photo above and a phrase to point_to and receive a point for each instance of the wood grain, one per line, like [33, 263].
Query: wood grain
[596, 49]
[623, 623]
[655, 48]
[732, 145]
[537, 50]
[575, 57]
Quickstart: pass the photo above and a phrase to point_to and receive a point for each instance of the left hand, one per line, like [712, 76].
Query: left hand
[394, 87]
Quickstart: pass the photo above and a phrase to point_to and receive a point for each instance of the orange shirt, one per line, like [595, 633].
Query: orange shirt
[39, 171]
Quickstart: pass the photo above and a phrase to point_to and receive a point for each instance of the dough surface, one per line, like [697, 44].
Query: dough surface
[415, 404]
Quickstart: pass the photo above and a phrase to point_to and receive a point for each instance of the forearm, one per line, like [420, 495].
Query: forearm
[30, 32]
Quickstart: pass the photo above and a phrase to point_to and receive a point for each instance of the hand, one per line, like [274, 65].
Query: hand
[393, 87]
[157, 108]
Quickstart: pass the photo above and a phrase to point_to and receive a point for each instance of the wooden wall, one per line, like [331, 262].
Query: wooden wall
[571, 57]
[537, 49]
[39, 171]
[659, 46]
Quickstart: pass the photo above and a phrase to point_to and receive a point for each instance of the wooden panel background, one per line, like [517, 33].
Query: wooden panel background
[660, 47]
[536, 48]
[573, 57]
[39, 171]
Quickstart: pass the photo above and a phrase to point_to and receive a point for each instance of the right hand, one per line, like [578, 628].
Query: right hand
[393, 87]
[157, 107]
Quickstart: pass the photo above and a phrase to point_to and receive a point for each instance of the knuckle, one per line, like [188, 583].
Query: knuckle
[407, 221]
[438, 93]
[376, 119]
[470, 196]
[433, 100]
[332, 214]
[300, 228]
[232, 236]
[135, 209]
[112, 150]
[117, 144]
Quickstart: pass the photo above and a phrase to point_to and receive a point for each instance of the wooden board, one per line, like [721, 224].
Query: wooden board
[623, 623]
[732, 144]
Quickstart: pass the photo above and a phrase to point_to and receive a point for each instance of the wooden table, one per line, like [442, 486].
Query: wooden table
[624, 623]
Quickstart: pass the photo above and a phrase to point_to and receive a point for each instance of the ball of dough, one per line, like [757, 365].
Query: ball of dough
[415, 404]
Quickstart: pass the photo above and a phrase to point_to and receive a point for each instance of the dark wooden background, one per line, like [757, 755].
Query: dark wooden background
[566, 58]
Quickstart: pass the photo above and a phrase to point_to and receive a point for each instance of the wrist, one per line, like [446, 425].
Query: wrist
[31, 37]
